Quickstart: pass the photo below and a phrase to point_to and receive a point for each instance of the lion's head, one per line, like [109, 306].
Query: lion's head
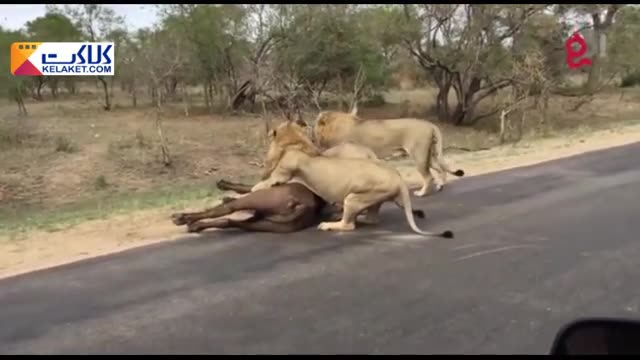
[287, 135]
[331, 127]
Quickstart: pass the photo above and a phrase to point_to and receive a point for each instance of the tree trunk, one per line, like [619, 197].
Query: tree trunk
[443, 80]
[17, 95]
[442, 101]
[595, 71]
[41, 81]
[503, 120]
[600, 28]
[465, 108]
[112, 85]
[206, 96]
[211, 101]
[134, 94]
[21, 108]
[340, 94]
[154, 94]
[107, 99]
[463, 112]
[185, 99]
[53, 84]
[166, 155]
[171, 85]
[523, 120]
[71, 86]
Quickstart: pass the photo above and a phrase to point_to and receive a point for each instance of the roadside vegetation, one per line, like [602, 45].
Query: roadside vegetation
[194, 96]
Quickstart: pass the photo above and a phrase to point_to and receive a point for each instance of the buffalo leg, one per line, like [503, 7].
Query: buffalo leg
[214, 212]
[231, 186]
[227, 207]
[261, 225]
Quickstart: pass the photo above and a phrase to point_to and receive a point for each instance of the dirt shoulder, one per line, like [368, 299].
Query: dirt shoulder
[40, 249]
[534, 151]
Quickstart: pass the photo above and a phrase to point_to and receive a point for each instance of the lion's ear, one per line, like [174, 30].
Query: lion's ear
[320, 119]
[302, 123]
[272, 134]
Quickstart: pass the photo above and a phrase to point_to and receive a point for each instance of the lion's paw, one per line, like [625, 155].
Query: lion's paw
[370, 219]
[335, 226]
[325, 226]
[420, 193]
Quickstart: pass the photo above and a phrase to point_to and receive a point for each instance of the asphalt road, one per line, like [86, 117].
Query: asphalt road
[535, 248]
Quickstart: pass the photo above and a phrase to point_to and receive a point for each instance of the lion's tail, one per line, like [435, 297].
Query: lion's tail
[403, 200]
[438, 154]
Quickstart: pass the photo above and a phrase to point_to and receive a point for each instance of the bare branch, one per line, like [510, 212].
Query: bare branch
[358, 85]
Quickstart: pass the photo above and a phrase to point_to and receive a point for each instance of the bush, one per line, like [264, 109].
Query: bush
[101, 183]
[631, 79]
[65, 145]
[375, 100]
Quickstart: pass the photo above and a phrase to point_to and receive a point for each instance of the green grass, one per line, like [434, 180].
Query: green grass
[20, 219]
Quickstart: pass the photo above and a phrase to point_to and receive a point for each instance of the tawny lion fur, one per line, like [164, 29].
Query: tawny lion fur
[358, 184]
[289, 135]
[292, 135]
[421, 139]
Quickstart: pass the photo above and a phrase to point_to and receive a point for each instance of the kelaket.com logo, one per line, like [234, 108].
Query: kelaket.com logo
[62, 58]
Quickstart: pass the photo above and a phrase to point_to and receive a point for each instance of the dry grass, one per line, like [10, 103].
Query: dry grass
[69, 157]
[76, 181]
[41, 249]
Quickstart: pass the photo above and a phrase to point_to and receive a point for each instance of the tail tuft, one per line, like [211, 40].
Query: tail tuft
[418, 213]
[447, 234]
[459, 172]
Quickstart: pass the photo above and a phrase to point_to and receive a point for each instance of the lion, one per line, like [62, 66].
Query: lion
[421, 139]
[350, 150]
[280, 209]
[291, 135]
[359, 184]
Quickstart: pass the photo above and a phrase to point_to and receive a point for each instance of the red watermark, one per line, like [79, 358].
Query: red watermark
[575, 54]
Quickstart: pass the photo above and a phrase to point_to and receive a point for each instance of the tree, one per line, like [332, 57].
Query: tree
[218, 43]
[261, 33]
[96, 22]
[162, 56]
[52, 27]
[13, 86]
[380, 25]
[602, 17]
[625, 30]
[465, 47]
[323, 46]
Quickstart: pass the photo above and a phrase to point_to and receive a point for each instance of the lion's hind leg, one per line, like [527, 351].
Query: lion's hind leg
[372, 214]
[354, 204]
[438, 173]
[422, 161]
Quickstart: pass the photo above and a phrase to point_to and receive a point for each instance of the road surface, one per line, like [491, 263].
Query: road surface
[535, 248]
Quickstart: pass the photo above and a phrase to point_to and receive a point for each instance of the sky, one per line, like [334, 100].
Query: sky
[136, 15]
